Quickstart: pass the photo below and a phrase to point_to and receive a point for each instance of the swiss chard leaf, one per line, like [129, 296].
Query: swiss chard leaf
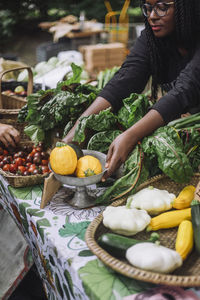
[168, 148]
[105, 120]
[135, 107]
[35, 132]
[101, 140]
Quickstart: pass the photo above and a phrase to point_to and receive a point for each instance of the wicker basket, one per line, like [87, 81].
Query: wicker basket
[17, 180]
[187, 275]
[10, 105]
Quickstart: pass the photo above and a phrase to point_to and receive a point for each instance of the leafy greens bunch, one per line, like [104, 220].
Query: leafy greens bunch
[46, 110]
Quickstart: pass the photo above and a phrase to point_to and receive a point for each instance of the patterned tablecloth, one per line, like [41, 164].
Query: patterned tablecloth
[55, 235]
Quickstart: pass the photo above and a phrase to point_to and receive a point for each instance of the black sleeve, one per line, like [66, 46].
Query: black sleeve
[185, 93]
[131, 77]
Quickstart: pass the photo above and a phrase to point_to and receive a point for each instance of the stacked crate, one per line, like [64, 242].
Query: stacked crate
[102, 56]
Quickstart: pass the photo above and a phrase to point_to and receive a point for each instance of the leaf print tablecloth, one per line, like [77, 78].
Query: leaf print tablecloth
[55, 235]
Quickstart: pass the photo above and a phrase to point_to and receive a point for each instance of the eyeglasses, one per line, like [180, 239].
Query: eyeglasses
[160, 8]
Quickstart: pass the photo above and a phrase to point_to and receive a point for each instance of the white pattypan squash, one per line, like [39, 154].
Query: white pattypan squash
[126, 221]
[153, 257]
[153, 200]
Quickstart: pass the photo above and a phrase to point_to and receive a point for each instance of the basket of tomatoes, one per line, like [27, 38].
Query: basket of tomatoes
[25, 165]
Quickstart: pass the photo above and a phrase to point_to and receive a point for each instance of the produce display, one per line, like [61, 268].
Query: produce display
[68, 159]
[24, 161]
[56, 109]
[172, 149]
[149, 254]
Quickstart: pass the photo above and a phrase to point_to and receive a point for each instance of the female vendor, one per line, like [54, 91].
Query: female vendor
[168, 51]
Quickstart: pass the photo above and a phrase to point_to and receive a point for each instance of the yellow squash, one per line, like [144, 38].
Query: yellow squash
[169, 219]
[184, 240]
[184, 198]
[87, 166]
[63, 160]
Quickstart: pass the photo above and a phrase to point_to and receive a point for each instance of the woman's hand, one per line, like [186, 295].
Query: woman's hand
[119, 151]
[9, 135]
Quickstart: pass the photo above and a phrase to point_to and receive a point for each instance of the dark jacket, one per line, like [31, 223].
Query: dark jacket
[181, 81]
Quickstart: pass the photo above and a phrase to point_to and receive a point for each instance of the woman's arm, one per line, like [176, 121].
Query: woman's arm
[125, 142]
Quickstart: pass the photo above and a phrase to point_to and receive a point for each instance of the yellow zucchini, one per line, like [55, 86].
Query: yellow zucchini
[184, 198]
[169, 219]
[185, 239]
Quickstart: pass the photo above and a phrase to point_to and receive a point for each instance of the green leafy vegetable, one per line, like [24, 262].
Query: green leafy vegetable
[101, 140]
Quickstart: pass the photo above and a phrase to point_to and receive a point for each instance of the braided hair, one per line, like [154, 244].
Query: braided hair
[184, 36]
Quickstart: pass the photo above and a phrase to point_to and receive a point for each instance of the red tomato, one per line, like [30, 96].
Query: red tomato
[1, 157]
[1, 164]
[45, 162]
[18, 161]
[28, 164]
[1, 150]
[13, 168]
[45, 169]
[29, 158]
[21, 169]
[5, 152]
[6, 167]
[32, 168]
[38, 149]
[33, 152]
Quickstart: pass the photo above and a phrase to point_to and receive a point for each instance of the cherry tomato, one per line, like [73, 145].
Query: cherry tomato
[9, 158]
[32, 168]
[6, 167]
[6, 160]
[29, 158]
[28, 164]
[38, 149]
[13, 168]
[35, 172]
[37, 160]
[18, 161]
[5, 152]
[1, 164]
[1, 150]
[26, 173]
[21, 169]
[45, 169]
[33, 152]
[1, 157]
[45, 162]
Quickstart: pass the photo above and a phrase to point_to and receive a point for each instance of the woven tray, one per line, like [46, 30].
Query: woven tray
[187, 275]
[10, 105]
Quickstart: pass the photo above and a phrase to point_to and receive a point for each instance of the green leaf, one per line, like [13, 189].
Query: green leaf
[69, 281]
[27, 193]
[85, 253]
[105, 120]
[101, 141]
[35, 212]
[78, 229]
[35, 132]
[166, 146]
[40, 224]
[100, 282]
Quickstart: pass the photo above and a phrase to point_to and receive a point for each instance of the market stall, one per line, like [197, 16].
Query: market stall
[58, 233]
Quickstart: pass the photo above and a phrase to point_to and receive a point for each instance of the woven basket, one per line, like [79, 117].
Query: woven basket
[18, 180]
[11, 105]
[187, 275]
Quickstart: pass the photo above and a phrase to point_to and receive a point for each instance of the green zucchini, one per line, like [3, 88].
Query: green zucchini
[195, 213]
[77, 149]
[117, 245]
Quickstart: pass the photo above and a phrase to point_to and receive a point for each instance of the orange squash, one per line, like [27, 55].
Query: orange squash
[88, 166]
[63, 160]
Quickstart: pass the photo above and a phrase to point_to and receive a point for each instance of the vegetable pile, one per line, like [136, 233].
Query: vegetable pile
[24, 161]
[149, 254]
[56, 108]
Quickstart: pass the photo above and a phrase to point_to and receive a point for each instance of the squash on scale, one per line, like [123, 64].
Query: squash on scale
[88, 166]
[63, 158]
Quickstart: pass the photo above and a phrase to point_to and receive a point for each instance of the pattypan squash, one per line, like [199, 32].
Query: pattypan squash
[126, 221]
[153, 257]
[153, 200]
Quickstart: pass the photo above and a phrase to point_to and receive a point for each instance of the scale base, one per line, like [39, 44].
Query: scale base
[81, 199]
